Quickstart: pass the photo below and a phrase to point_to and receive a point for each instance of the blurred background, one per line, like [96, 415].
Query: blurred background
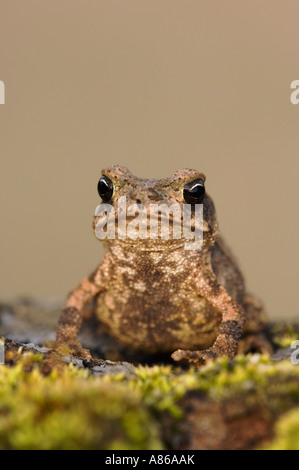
[154, 85]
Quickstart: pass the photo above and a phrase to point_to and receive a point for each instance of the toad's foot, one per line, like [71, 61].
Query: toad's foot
[74, 348]
[195, 358]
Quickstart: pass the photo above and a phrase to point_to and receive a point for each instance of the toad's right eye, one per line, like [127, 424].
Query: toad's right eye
[194, 191]
[105, 188]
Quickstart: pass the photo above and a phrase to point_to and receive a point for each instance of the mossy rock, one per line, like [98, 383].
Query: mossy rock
[225, 405]
[247, 403]
[70, 409]
[286, 432]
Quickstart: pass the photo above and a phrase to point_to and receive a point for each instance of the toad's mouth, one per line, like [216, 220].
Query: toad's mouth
[170, 221]
[159, 223]
[147, 217]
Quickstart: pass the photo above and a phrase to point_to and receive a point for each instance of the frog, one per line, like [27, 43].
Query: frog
[153, 296]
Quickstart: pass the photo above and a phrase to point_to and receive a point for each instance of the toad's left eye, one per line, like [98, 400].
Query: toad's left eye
[105, 188]
[194, 191]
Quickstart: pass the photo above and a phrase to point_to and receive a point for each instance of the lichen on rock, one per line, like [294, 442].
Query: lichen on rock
[228, 404]
[67, 403]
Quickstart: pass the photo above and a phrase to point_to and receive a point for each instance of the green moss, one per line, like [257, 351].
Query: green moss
[284, 335]
[71, 409]
[286, 432]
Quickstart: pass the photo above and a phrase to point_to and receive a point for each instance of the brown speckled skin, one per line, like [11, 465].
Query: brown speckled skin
[155, 296]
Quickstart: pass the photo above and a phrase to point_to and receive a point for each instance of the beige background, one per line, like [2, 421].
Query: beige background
[155, 85]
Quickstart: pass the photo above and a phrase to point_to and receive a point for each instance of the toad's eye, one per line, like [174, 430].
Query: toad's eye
[194, 191]
[105, 188]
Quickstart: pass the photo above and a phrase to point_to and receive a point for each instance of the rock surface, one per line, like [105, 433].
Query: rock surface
[247, 403]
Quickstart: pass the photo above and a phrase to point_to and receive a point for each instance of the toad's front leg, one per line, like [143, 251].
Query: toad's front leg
[72, 315]
[233, 319]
